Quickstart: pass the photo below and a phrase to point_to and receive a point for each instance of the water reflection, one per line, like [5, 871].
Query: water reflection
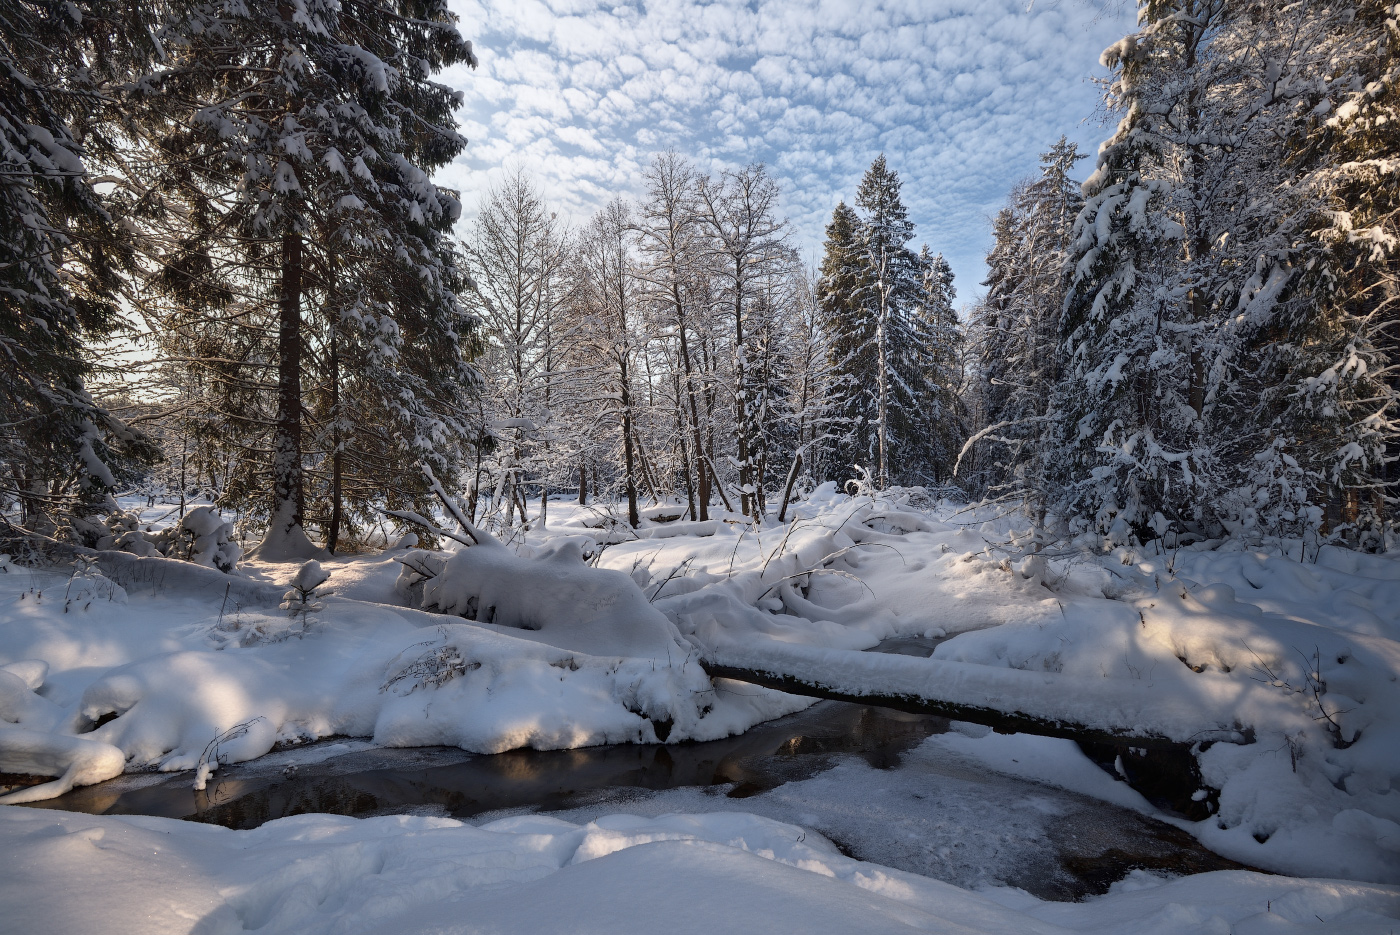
[450, 781]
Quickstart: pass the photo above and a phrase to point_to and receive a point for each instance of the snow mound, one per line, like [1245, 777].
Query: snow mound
[554, 596]
[31, 672]
[19, 703]
[202, 537]
[620, 874]
[75, 760]
[198, 671]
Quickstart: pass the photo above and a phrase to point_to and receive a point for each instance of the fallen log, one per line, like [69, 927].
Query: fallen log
[1120, 712]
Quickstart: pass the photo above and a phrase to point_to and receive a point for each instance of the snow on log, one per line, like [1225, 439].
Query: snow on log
[76, 761]
[1165, 714]
[555, 594]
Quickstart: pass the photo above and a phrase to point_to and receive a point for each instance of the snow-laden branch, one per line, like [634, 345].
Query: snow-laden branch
[996, 427]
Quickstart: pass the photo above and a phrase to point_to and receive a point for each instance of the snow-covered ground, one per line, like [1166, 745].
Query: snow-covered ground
[157, 664]
[720, 872]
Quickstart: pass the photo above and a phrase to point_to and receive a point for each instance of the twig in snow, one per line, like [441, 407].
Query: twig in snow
[679, 569]
[209, 759]
[815, 571]
[732, 555]
[1314, 688]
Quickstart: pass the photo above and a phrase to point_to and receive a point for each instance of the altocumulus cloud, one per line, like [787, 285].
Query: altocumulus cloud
[961, 95]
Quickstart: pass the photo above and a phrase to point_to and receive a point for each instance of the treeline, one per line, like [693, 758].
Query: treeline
[677, 350]
[1200, 339]
[1203, 340]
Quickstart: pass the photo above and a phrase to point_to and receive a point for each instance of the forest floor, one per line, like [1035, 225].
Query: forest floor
[164, 665]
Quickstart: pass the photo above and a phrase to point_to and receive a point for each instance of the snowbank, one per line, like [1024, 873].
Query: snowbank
[1207, 642]
[553, 594]
[75, 760]
[1211, 641]
[183, 677]
[721, 872]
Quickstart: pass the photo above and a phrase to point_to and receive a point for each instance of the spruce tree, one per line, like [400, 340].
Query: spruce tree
[300, 236]
[1015, 332]
[1343, 399]
[1185, 293]
[937, 347]
[62, 254]
[850, 344]
[888, 313]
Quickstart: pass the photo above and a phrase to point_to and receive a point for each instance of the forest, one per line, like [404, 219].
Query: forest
[230, 278]
[383, 556]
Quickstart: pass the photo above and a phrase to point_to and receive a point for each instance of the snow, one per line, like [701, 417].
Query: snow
[591, 633]
[76, 760]
[1178, 645]
[552, 594]
[617, 874]
[196, 654]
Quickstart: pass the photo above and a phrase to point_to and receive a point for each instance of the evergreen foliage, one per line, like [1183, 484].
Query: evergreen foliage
[62, 254]
[893, 339]
[296, 232]
[1209, 385]
[1014, 332]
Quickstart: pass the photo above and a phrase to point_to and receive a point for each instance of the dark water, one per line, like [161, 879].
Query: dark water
[917, 813]
[446, 780]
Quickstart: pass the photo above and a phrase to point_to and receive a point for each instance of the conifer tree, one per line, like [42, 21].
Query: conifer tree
[890, 342]
[1015, 332]
[1344, 408]
[291, 150]
[62, 253]
[938, 349]
[850, 344]
[1207, 388]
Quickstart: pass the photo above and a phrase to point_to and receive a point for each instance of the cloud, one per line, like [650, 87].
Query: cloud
[961, 96]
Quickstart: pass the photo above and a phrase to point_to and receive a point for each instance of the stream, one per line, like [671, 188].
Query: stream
[862, 776]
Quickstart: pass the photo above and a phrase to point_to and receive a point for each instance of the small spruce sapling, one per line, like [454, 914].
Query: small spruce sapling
[87, 584]
[303, 597]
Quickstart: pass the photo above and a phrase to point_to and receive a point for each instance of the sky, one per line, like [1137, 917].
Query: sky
[960, 95]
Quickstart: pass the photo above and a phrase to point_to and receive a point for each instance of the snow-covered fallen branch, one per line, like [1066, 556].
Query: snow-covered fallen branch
[1161, 715]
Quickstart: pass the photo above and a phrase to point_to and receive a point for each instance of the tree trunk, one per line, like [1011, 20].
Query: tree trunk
[684, 452]
[628, 456]
[647, 474]
[719, 484]
[741, 406]
[286, 537]
[582, 482]
[702, 480]
[475, 497]
[787, 488]
[882, 349]
[337, 454]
